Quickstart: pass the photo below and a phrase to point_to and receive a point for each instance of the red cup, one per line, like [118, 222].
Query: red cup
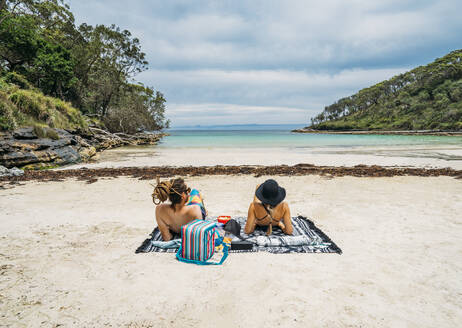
[224, 219]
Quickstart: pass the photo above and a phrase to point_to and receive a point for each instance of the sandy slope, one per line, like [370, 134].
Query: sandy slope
[67, 258]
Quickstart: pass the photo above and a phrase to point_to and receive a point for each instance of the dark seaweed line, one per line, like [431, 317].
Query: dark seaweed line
[150, 173]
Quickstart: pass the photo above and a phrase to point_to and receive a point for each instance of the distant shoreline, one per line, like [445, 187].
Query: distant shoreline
[369, 132]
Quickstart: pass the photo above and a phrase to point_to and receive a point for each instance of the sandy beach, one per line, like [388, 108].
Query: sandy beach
[67, 257]
[353, 107]
[424, 156]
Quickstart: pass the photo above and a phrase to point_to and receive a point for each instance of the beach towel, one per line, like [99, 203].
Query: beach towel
[306, 238]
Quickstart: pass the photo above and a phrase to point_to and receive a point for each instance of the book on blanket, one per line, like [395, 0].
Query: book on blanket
[241, 245]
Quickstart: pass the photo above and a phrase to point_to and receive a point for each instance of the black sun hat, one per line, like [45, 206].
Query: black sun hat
[270, 193]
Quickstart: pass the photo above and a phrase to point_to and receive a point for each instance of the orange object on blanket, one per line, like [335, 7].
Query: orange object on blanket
[224, 219]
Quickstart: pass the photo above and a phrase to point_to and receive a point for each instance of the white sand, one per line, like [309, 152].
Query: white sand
[67, 258]
[418, 156]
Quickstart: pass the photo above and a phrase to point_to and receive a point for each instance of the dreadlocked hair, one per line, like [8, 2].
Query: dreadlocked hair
[172, 190]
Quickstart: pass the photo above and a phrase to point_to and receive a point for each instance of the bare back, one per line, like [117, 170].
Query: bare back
[169, 219]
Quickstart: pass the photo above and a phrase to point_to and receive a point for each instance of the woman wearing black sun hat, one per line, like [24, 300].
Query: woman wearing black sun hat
[269, 209]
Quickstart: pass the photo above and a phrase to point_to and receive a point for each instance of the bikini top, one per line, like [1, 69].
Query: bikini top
[269, 231]
[268, 213]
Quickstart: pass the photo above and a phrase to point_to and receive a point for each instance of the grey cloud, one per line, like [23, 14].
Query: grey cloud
[249, 96]
[302, 55]
[282, 34]
[263, 87]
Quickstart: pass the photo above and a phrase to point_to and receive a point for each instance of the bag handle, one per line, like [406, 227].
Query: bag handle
[180, 258]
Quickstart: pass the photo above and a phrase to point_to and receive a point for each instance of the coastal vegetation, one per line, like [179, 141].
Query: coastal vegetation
[54, 74]
[30, 107]
[425, 98]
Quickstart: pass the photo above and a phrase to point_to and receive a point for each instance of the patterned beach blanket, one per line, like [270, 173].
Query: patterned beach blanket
[306, 238]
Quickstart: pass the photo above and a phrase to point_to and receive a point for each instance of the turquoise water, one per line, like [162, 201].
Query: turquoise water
[287, 139]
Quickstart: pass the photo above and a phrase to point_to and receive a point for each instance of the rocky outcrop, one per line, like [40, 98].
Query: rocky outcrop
[102, 139]
[24, 148]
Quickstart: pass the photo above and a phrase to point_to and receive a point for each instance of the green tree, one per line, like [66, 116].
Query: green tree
[93, 67]
[52, 69]
[427, 97]
[19, 42]
[106, 58]
[140, 109]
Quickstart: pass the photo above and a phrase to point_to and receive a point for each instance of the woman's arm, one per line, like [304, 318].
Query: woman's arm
[163, 227]
[251, 220]
[255, 199]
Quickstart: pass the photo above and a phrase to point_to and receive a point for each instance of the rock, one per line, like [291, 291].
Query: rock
[18, 158]
[17, 150]
[10, 172]
[67, 155]
[24, 133]
[87, 152]
[3, 170]
[78, 140]
[23, 148]
[16, 172]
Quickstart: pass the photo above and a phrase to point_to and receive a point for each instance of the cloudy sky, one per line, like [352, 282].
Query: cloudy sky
[275, 62]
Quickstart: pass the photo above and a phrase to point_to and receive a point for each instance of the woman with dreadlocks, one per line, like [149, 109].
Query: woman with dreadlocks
[185, 206]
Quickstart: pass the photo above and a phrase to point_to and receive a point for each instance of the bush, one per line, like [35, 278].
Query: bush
[52, 134]
[39, 131]
[19, 107]
[28, 103]
[17, 79]
[7, 120]
[45, 132]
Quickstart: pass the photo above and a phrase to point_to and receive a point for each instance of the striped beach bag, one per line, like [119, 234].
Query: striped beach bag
[198, 239]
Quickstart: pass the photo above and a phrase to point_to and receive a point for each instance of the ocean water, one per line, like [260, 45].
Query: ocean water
[277, 146]
[283, 138]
